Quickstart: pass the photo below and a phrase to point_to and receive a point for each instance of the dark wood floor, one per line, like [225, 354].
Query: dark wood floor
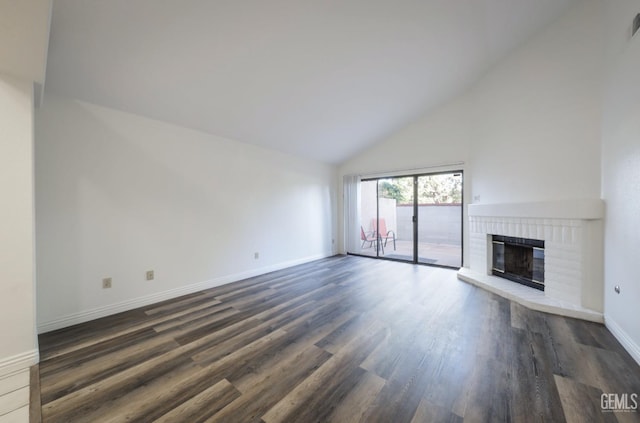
[345, 339]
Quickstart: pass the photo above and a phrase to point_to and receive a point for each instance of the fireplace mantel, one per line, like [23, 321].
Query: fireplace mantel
[587, 209]
[573, 235]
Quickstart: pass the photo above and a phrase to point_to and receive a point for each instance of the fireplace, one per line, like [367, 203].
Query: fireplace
[519, 259]
[572, 233]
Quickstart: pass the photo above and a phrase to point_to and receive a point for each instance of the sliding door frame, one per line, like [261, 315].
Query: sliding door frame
[415, 222]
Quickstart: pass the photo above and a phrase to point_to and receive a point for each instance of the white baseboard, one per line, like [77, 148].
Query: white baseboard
[98, 312]
[18, 363]
[632, 348]
[14, 385]
[19, 415]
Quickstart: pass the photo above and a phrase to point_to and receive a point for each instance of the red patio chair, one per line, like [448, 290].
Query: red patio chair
[369, 237]
[383, 233]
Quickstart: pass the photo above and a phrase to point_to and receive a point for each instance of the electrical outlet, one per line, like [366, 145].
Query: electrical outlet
[256, 255]
[150, 275]
[106, 283]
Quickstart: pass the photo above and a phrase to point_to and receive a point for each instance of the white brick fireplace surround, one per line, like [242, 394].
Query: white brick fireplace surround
[573, 268]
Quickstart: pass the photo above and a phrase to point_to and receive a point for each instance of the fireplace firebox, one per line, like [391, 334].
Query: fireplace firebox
[519, 260]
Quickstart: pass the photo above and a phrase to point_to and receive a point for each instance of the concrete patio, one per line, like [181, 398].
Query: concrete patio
[429, 253]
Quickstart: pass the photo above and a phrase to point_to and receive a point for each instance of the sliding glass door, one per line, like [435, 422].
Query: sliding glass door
[439, 225]
[395, 228]
[369, 245]
[416, 218]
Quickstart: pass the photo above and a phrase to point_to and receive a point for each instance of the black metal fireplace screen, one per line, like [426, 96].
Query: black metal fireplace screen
[519, 259]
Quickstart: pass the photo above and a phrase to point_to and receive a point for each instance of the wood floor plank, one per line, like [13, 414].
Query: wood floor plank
[189, 302]
[342, 339]
[428, 412]
[202, 314]
[533, 382]
[202, 406]
[490, 399]
[35, 401]
[73, 335]
[222, 349]
[88, 352]
[581, 403]
[309, 400]
[86, 373]
[100, 337]
[151, 400]
[89, 398]
[360, 398]
[258, 392]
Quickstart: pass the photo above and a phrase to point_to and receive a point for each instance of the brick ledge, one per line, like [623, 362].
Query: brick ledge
[528, 297]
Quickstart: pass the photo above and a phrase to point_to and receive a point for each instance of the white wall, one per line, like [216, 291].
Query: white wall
[118, 194]
[24, 38]
[537, 116]
[439, 138]
[527, 131]
[621, 174]
[18, 347]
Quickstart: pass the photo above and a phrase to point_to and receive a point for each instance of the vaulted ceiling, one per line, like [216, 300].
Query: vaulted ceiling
[321, 79]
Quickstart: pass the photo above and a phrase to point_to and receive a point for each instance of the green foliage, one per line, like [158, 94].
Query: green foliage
[432, 189]
[439, 189]
[390, 189]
